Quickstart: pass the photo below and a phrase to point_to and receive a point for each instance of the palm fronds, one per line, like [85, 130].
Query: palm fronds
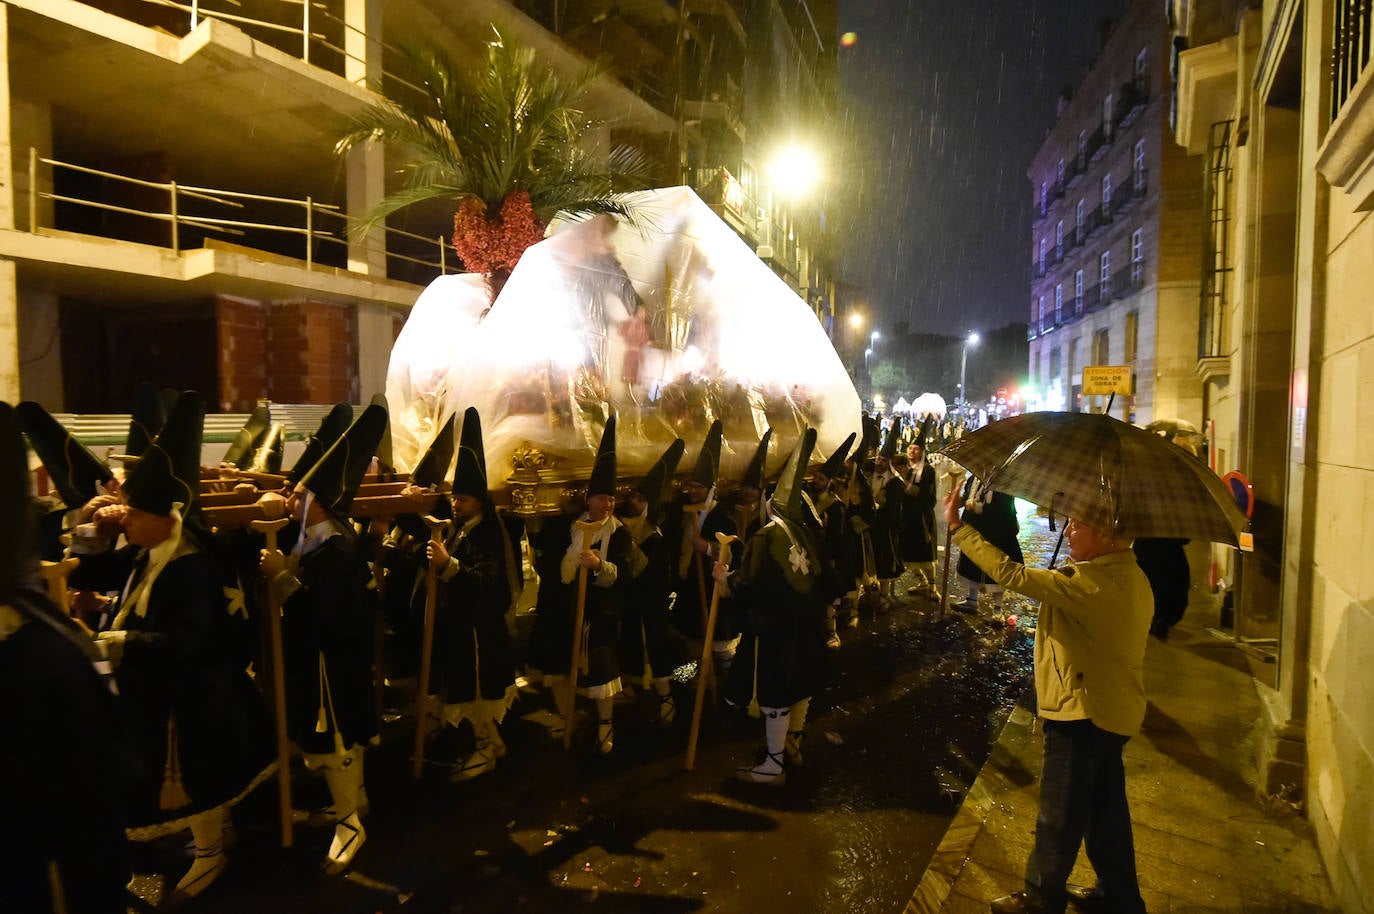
[517, 127]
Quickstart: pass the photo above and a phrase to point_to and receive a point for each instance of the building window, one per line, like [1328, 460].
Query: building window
[1108, 110]
[1044, 197]
[1138, 166]
[1073, 358]
[1132, 328]
[1056, 363]
[1142, 67]
[1078, 214]
[1101, 348]
[1059, 172]
[1082, 147]
[1059, 240]
[1041, 309]
[1104, 276]
[1078, 291]
[1042, 256]
[1106, 192]
[1138, 258]
[1058, 303]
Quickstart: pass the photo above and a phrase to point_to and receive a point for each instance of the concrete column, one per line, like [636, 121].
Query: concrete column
[9, 291]
[375, 332]
[366, 165]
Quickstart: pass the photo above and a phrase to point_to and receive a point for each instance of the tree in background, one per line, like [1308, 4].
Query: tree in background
[506, 149]
[891, 380]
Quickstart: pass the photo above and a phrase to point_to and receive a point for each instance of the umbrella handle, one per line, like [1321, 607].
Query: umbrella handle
[1054, 558]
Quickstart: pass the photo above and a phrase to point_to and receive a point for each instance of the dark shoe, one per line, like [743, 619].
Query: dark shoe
[1086, 898]
[1016, 903]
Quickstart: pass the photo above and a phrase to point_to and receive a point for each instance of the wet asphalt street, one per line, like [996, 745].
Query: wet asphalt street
[913, 705]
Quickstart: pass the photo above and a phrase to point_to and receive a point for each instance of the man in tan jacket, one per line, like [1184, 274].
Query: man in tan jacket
[1089, 685]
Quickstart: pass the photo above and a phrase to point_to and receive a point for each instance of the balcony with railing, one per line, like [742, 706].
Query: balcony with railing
[1099, 218]
[1129, 196]
[1100, 143]
[1128, 280]
[1131, 101]
[306, 232]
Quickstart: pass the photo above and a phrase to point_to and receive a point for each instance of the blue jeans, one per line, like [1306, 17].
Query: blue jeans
[1083, 800]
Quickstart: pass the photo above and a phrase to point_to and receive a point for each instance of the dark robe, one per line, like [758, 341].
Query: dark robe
[64, 768]
[887, 528]
[550, 639]
[472, 653]
[177, 675]
[648, 647]
[689, 612]
[997, 524]
[782, 649]
[330, 619]
[918, 516]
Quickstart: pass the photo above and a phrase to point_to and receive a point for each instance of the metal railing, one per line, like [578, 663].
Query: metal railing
[1353, 22]
[303, 219]
[299, 30]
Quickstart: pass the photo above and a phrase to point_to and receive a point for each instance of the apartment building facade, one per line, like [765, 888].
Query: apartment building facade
[1114, 251]
[176, 210]
[1278, 96]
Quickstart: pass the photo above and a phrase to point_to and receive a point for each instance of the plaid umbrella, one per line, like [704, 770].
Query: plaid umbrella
[1102, 472]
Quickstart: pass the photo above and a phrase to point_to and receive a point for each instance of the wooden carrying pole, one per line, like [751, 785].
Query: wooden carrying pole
[575, 661]
[55, 577]
[436, 536]
[269, 528]
[704, 670]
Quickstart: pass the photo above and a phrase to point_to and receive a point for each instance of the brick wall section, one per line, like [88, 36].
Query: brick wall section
[241, 327]
[312, 352]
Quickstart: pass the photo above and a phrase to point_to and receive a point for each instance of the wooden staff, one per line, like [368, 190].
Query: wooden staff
[704, 670]
[698, 560]
[269, 528]
[55, 576]
[436, 537]
[379, 528]
[956, 481]
[575, 662]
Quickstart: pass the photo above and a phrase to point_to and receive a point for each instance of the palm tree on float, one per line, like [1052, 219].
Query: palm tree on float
[505, 148]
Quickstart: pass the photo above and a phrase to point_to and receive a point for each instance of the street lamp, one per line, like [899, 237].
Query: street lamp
[970, 340]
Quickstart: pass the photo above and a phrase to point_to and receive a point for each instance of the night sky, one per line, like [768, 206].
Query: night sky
[946, 104]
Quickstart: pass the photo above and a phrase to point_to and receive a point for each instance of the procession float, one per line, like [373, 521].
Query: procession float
[668, 320]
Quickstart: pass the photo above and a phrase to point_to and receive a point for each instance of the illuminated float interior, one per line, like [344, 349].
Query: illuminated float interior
[671, 322]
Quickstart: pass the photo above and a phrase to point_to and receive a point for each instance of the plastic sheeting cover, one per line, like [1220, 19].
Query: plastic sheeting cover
[670, 324]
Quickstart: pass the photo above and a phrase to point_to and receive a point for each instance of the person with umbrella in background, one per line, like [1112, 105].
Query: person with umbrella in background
[1115, 482]
[1090, 692]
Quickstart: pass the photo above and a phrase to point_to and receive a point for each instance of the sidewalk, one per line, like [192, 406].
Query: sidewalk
[1204, 841]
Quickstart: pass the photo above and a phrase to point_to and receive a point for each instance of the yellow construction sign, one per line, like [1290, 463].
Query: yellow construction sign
[1108, 379]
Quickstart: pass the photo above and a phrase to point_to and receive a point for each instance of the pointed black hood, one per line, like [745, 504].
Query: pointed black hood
[835, 463]
[335, 477]
[169, 470]
[602, 481]
[16, 516]
[384, 456]
[927, 432]
[707, 468]
[433, 465]
[267, 457]
[73, 469]
[654, 481]
[147, 415]
[470, 472]
[753, 474]
[248, 438]
[894, 432]
[787, 498]
[331, 428]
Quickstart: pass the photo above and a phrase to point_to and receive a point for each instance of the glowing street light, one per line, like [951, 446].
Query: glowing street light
[971, 340]
[856, 320]
[795, 170]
